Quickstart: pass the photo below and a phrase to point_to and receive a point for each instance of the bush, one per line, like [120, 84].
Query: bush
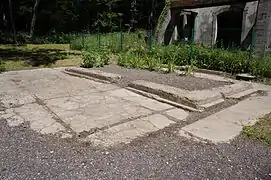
[136, 54]
[152, 63]
[2, 66]
[124, 59]
[92, 59]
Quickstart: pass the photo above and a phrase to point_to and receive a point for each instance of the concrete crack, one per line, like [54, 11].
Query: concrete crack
[55, 116]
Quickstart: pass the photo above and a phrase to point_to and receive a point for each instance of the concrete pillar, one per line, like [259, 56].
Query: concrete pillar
[249, 18]
[171, 26]
[263, 28]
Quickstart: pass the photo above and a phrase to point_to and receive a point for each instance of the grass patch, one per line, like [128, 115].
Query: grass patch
[32, 56]
[261, 130]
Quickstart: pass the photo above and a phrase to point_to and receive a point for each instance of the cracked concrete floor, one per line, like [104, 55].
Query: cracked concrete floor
[52, 102]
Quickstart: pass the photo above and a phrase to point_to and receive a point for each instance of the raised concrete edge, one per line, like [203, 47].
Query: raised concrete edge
[225, 125]
[95, 74]
[86, 77]
[199, 99]
[158, 98]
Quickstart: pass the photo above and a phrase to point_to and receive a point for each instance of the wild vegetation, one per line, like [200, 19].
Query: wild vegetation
[137, 54]
[261, 130]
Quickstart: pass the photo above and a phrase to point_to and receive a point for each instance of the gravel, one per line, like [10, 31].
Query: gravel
[25, 154]
[172, 79]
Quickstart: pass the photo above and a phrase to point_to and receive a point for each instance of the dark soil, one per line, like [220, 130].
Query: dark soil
[172, 79]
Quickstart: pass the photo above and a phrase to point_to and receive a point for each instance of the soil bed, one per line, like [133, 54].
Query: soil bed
[190, 83]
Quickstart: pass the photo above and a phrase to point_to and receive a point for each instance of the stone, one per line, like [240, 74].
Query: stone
[53, 128]
[179, 114]
[245, 77]
[126, 132]
[228, 123]
[95, 73]
[97, 110]
[195, 99]
[140, 100]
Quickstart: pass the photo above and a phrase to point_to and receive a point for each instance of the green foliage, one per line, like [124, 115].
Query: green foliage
[2, 66]
[124, 59]
[190, 68]
[260, 131]
[92, 59]
[137, 54]
[137, 62]
[152, 63]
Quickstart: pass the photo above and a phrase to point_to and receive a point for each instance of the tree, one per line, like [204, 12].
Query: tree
[12, 21]
[33, 22]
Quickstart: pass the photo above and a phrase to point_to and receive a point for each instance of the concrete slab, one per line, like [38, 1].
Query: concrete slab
[51, 83]
[139, 100]
[38, 118]
[97, 110]
[127, 132]
[179, 114]
[52, 102]
[227, 124]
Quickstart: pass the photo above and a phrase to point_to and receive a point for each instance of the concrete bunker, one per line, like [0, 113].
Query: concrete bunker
[229, 28]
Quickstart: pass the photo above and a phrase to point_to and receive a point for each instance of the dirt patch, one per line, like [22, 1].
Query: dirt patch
[172, 79]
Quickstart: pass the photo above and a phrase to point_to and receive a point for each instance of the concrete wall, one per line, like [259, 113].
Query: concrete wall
[256, 13]
[263, 27]
[206, 21]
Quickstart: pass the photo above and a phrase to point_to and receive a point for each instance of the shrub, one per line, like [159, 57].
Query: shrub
[2, 66]
[124, 59]
[92, 59]
[152, 63]
[137, 61]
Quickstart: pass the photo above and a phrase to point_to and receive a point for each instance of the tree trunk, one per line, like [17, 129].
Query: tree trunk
[33, 22]
[11, 20]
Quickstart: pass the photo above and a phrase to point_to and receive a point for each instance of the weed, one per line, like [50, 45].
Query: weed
[190, 68]
[92, 59]
[152, 63]
[137, 61]
[2, 66]
[261, 130]
[124, 59]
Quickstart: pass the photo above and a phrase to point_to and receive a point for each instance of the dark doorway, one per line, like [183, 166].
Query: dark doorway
[229, 28]
[185, 29]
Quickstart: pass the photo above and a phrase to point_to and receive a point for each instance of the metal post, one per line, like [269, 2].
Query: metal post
[191, 45]
[99, 40]
[83, 40]
[121, 40]
[252, 44]
[150, 40]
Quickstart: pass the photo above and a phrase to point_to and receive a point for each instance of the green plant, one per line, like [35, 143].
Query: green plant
[2, 66]
[171, 55]
[152, 63]
[124, 59]
[261, 130]
[137, 61]
[105, 54]
[190, 68]
[92, 59]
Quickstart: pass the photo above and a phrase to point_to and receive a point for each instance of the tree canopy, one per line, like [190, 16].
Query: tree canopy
[43, 17]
